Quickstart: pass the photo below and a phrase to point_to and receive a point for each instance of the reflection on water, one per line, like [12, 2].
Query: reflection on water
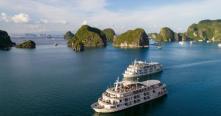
[142, 109]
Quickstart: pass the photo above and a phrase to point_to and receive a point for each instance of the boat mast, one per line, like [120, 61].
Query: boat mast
[117, 82]
[136, 82]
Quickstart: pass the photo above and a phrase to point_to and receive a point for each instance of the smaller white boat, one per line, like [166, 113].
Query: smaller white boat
[191, 42]
[181, 43]
[159, 47]
[200, 40]
[142, 68]
[208, 41]
[219, 45]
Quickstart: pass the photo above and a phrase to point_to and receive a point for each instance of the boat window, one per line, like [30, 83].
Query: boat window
[113, 107]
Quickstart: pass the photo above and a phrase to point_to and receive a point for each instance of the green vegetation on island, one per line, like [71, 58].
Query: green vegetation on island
[78, 46]
[205, 30]
[181, 37]
[27, 44]
[132, 39]
[168, 35]
[68, 35]
[110, 34]
[87, 36]
[5, 41]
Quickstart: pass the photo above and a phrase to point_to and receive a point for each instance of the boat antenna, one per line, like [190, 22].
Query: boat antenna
[117, 81]
[135, 61]
[137, 82]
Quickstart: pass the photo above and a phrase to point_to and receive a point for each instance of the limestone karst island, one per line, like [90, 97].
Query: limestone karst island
[110, 57]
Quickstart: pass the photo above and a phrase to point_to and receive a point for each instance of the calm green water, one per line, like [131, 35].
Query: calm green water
[51, 81]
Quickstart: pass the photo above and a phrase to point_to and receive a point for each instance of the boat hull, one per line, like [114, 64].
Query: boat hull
[103, 110]
[141, 75]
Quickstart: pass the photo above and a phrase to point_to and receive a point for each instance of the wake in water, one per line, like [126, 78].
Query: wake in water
[193, 64]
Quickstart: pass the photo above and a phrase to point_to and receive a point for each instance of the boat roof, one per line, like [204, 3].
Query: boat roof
[150, 82]
[147, 82]
[145, 62]
[131, 85]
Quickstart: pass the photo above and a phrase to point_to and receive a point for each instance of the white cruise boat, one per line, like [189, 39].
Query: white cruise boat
[142, 68]
[126, 94]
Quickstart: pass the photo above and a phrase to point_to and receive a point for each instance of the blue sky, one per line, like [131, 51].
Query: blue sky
[28, 16]
[135, 4]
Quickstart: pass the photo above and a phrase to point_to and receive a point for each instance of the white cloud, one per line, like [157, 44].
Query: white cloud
[70, 14]
[84, 22]
[21, 18]
[44, 21]
[61, 22]
[4, 17]
[90, 5]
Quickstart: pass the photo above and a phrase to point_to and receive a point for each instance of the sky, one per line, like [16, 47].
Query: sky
[39, 16]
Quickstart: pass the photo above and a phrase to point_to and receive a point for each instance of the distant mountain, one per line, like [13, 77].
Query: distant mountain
[30, 35]
[68, 35]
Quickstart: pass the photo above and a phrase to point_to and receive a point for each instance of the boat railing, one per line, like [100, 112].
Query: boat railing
[107, 102]
[104, 102]
[98, 106]
[110, 97]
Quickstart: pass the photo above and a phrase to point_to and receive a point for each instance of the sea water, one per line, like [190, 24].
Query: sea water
[56, 81]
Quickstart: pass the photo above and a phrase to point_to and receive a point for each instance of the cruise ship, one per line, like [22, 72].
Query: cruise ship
[126, 94]
[142, 68]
